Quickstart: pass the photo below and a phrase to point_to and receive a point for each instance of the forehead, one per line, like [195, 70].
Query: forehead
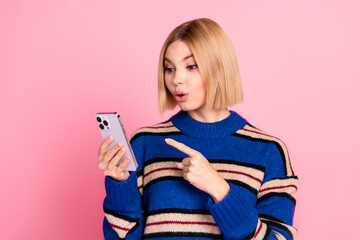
[178, 50]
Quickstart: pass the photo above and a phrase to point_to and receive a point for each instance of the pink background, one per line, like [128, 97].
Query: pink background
[63, 61]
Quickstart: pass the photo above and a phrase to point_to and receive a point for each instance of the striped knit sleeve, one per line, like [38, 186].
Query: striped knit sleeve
[277, 197]
[123, 203]
[265, 214]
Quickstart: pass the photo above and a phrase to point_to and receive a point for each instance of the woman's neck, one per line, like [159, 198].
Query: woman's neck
[209, 115]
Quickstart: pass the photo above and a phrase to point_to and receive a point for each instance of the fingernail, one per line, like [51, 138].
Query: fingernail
[110, 138]
[122, 150]
[167, 139]
[119, 145]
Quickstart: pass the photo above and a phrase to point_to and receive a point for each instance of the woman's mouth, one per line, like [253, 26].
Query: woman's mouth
[181, 96]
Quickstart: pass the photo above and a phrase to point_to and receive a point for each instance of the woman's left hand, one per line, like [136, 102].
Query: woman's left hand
[198, 171]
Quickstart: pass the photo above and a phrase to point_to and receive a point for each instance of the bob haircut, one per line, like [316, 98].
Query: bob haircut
[216, 60]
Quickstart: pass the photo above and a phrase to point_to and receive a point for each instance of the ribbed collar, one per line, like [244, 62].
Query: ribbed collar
[192, 127]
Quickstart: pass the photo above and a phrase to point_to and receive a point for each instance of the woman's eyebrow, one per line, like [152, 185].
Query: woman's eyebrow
[184, 59]
[187, 57]
[168, 60]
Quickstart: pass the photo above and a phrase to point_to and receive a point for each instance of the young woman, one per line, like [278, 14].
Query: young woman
[206, 173]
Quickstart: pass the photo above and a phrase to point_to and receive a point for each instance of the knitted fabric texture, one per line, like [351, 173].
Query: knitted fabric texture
[156, 202]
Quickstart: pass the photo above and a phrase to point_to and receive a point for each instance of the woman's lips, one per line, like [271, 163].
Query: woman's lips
[181, 97]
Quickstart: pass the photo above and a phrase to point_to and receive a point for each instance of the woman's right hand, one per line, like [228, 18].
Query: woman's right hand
[109, 159]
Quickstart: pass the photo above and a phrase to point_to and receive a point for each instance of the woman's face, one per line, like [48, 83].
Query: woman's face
[183, 78]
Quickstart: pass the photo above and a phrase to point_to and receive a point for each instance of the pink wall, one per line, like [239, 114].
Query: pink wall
[63, 61]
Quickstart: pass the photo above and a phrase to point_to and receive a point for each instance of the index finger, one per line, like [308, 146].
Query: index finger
[181, 147]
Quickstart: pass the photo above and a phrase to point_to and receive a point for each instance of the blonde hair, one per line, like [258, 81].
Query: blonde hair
[216, 60]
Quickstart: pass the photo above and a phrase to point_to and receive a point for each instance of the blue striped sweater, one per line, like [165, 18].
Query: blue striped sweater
[155, 202]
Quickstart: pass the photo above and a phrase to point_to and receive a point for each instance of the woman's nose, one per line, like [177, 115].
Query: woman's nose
[179, 78]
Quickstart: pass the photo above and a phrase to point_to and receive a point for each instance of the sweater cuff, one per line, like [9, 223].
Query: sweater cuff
[123, 196]
[236, 212]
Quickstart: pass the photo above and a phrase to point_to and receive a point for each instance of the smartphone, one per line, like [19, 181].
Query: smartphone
[111, 124]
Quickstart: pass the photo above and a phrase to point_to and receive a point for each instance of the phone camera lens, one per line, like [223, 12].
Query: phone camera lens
[101, 126]
[98, 119]
[106, 123]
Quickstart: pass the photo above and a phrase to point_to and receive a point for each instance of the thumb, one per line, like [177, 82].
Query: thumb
[180, 165]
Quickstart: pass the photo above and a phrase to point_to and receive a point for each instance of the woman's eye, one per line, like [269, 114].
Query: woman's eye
[169, 70]
[191, 67]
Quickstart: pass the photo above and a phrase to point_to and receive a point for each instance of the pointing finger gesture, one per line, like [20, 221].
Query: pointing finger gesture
[198, 171]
